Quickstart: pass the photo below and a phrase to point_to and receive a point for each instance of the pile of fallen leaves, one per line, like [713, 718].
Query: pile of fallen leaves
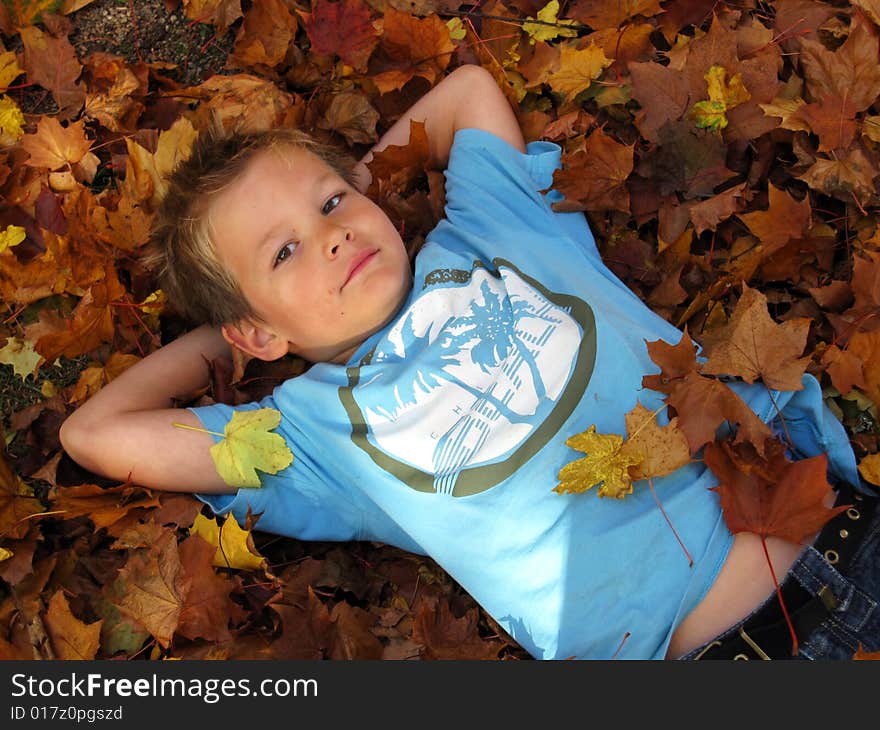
[725, 155]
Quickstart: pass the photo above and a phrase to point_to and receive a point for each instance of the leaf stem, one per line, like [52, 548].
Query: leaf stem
[194, 428]
[794, 641]
[669, 522]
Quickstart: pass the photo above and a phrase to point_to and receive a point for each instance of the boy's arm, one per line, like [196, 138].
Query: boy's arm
[125, 430]
[467, 98]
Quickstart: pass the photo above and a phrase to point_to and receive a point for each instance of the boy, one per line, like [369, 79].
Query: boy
[436, 413]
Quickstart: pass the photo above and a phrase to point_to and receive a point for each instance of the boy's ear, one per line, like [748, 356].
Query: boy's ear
[256, 340]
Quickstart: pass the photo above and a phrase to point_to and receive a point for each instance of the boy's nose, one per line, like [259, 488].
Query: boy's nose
[335, 238]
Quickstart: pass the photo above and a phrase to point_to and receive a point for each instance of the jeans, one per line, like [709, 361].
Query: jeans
[856, 618]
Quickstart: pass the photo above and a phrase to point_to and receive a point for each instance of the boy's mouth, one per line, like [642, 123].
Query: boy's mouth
[358, 263]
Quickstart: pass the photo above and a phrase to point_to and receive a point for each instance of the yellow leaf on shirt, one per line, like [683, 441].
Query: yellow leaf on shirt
[248, 444]
[605, 465]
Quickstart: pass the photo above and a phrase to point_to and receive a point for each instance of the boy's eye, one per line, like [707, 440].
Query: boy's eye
[331, 203]
[285, 253]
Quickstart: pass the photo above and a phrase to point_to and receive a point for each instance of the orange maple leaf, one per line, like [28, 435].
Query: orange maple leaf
[753, 346]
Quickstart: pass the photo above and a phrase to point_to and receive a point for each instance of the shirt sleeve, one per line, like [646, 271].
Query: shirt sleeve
[488, 181]
[297, 501]
[305, 500]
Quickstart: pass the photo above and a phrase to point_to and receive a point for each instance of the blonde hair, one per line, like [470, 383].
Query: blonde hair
[181, 251]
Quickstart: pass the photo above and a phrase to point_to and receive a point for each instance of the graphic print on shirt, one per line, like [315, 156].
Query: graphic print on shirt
[473, 379]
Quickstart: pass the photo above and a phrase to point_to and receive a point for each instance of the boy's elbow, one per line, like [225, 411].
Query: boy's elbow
[76, 436]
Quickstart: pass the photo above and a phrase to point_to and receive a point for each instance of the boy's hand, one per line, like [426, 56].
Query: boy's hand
[467, 98]
[125, 430]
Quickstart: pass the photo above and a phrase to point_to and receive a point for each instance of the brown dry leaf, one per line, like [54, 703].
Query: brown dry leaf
[784, 219]
[156, 587]
[244, 102]
[93, 378]
[71, 638]
[306, 629]
[90, 325]
[594, 177]
[611, 13]
[102, 506]
[395, 168]
[844, 177]
[773, 496]
[844, 368]
[265, 33]
[866, 347]
[662, 95]
[351, 115]
[208, 607]
[832, 119]
[52, 63]
[753, 346]
[444, 636]
[707, 214]
[416, 47]
[851, 71]
[53, 146]
[344, 28]
[17, 503]
[663, 449]
[220, 13]
[351, 637]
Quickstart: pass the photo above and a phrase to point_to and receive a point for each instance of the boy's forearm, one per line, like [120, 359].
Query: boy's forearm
[174, 370]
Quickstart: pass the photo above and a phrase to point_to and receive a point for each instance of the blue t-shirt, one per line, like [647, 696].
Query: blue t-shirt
[445, 432]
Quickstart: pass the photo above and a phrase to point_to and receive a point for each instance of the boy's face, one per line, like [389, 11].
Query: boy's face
[321, 264]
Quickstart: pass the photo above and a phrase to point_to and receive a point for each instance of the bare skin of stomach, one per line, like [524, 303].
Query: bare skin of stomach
[743, 583]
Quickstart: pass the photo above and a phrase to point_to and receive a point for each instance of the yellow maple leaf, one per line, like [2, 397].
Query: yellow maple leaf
[5, 554]
[9, 69]
[550, 26]
[457, 31]
[12, 236]
[605, 464]
[11, 122]
[578, 69]
[21, 355]
[723, 96]
[234, 546]
[869, 468]
[248, 445]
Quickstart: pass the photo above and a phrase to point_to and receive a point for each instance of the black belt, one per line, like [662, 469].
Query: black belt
[765, 634]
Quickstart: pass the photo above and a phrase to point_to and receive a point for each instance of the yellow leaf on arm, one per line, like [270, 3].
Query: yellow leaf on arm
[248, 445]
[663, 448]
[605, 465]
[5, 554]
[234, 546]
